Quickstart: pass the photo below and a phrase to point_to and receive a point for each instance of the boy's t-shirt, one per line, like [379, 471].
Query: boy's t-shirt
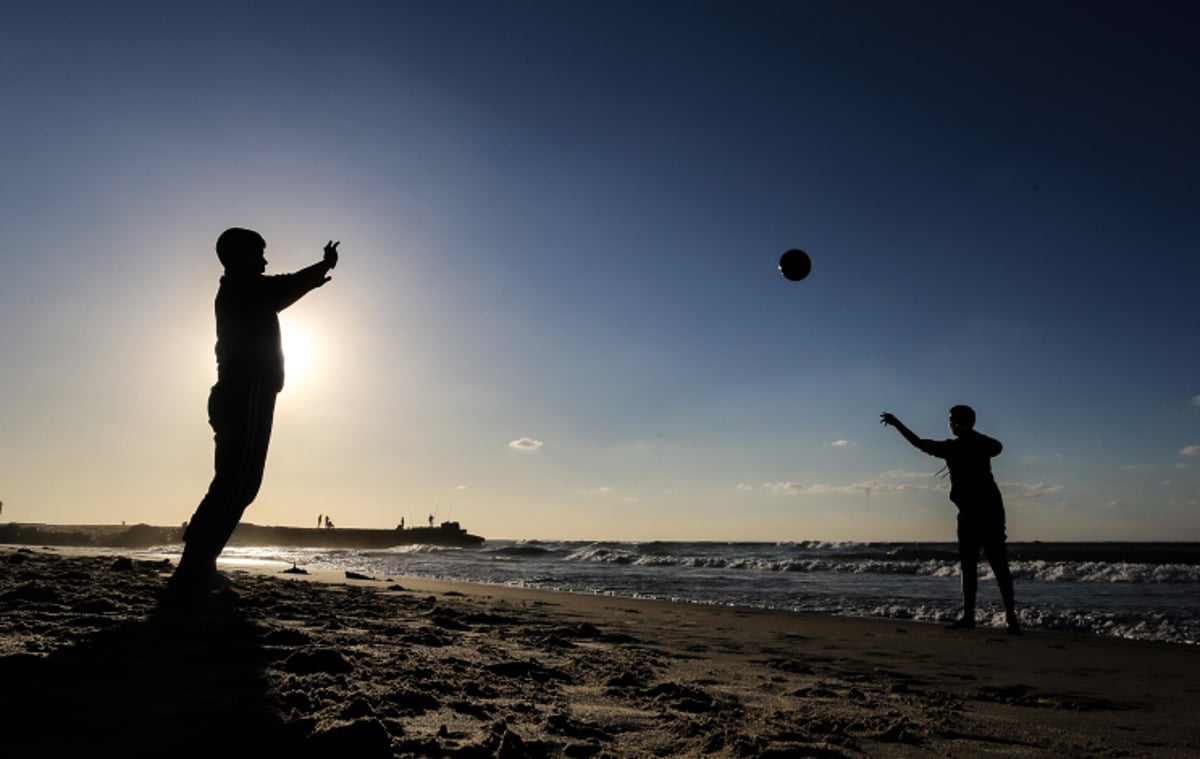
[973, 488]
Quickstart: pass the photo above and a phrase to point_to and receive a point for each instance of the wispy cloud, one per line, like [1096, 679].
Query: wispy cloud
[889, 486]
[868, 487]
[841, 444]
[1190, 450]
[1029, 489]
[1196, 400]
[786, 488]
[907, 474]
[526, 444]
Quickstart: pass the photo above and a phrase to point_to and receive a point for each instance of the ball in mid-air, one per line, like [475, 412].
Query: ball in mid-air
[795, 264]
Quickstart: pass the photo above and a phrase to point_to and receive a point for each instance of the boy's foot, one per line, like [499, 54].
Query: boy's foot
[199, 586]
[1014, 627]
[961, 624]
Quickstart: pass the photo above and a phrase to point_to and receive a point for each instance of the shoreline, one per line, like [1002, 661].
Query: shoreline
[396, 667]
[1105, 602]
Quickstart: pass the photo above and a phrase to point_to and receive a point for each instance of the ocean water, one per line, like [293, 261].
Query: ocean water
[1146, 591]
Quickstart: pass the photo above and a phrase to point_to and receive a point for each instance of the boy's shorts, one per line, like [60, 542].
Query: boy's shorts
[984, 531]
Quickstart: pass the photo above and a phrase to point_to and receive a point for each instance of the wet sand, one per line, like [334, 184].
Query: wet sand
[320, 665]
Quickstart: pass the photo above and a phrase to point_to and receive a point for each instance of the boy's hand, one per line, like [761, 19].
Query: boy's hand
[888, 420]
[331, 253]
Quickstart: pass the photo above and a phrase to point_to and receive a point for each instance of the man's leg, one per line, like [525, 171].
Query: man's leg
[259, 413]
[997, 556]
[968, 560]
[241, 416]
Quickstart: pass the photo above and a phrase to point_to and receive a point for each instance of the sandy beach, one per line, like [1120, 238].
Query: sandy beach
[327, 666]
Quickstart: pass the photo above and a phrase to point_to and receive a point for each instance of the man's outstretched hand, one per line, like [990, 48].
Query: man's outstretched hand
[331, 253]
[887, 420]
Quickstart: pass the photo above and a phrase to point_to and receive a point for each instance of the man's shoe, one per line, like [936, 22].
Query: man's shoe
[199, 588]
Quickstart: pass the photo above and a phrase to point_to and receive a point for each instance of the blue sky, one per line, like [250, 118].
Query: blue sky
[557, 313]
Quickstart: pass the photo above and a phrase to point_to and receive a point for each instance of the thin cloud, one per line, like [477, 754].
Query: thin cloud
[874, 487]
[526, 444]
[1029, 489]
[786, 488]
[1191, 450]
[1014, 490]
[857, 488]
[1196, 400]
[841, 444]
[906, 474]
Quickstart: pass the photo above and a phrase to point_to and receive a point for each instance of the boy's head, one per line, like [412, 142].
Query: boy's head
[242, 251]
[962, 419]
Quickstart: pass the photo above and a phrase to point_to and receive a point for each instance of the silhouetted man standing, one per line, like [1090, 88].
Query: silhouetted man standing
[974, 491]
[241, 406]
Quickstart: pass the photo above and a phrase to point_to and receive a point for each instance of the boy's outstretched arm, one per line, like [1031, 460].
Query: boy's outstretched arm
[889, 420]
[291, 287]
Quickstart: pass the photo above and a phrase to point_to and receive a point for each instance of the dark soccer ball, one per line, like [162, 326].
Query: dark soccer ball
[795, 265]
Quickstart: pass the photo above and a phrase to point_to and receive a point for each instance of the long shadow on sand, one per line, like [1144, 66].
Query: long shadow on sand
[174, 683]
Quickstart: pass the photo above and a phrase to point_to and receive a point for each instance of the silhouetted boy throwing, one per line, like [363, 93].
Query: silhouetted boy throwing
[241, 406]
[974, 491]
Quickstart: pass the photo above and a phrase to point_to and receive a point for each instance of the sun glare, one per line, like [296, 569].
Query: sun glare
[297, 352]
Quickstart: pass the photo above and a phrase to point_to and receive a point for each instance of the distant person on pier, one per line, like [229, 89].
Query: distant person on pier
[241, 405]
[973, 490]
